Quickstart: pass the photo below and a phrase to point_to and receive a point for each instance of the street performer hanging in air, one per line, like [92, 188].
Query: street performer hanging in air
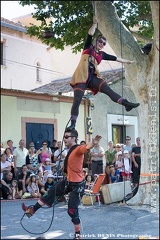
[87, 76]
[73, 183]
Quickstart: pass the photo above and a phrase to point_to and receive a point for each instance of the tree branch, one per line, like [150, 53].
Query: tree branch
[141, 38]
[155, 17]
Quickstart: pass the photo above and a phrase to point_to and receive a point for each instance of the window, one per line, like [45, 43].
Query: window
[38, 74]
[118, 134]
[3, 63]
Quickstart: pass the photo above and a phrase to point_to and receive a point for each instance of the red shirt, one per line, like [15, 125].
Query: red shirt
[75, 164]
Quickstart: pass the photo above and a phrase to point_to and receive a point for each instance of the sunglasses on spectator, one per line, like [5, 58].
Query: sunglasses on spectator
[111, 166]
[66, 136]
[117, 147]
[100, 41]
[44, 144]
[128, 139]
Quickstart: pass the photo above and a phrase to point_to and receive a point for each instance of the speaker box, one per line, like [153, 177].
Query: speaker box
[115, 192]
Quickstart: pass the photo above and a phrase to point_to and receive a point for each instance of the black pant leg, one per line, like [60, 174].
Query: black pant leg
[78, 94]
[57, 190]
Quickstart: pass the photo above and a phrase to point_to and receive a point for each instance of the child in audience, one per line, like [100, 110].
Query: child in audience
[32, 187]
[126, 172]
[44, 179]
[119, 162]
[48, 184]
[15, 192]
[47, 165]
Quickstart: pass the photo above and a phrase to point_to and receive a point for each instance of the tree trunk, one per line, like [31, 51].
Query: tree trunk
[142, 77]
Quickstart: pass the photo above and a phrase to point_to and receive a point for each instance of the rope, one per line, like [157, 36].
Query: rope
[55, 199]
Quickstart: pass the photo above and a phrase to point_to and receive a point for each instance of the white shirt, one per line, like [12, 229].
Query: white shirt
[20, 156]
[4, 165]
[57, 153]
[127, 165]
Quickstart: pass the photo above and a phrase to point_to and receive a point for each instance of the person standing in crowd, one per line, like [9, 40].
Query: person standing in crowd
[110, 155]
[19, 156]
[74, 183]
[59, 156]
[136, 162]
[97, 154]
[86, 162]
[10, 145]
[44, 152]
[128, 146]
[87, 75]
[9, 158]
[54, 147]
[33, 161]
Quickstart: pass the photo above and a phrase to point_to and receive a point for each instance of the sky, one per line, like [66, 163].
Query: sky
[12, 9]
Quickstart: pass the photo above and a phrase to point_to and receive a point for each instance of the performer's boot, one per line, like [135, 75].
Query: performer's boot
[77, 231]
[129, 105]
[28, 210]
[72, 126]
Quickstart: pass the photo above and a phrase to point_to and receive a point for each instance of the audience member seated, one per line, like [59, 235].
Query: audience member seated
[9, 158]
[2, 148]
[6, 185]
[49, 183]
[45, 174]
[127, 166]
[23, 179]
[10, 145]
[95, 177]
[47, 165]
[32, 187]
[89, 181]
[114, 174]
[119, 162]
[5, 165]
[33, 161]
[16, 194]
[39, 178]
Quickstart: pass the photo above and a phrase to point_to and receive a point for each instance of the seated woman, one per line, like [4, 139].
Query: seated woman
[89, 182]
[114, 175]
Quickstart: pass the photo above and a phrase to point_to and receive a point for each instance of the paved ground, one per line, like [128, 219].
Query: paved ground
[105, 222]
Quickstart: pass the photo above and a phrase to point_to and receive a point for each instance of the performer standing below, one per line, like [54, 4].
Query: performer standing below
[87, 76]
[74, 182]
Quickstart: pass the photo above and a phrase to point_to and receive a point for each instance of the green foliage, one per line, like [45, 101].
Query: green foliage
[70, 20]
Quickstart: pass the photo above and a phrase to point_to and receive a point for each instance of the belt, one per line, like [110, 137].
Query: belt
[76, 183]
[97, 161]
